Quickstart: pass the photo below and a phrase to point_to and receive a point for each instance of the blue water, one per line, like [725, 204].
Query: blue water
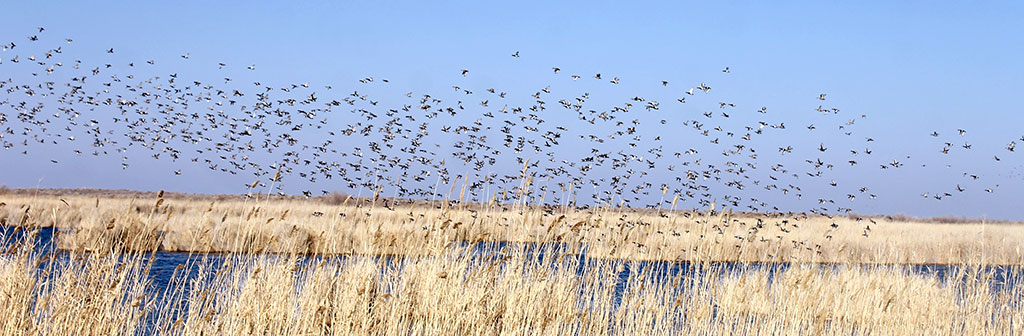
[165, 263]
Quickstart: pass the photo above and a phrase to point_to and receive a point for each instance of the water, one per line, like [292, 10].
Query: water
[165, 264]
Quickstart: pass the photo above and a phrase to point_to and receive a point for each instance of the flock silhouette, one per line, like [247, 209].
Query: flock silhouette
[544, 147]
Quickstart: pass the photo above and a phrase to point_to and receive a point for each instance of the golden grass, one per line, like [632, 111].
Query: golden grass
[381, 271]
[77, 295]
[517, 293]
[306, 227]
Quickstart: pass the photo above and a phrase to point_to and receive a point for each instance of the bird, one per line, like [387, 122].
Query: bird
[368, 138]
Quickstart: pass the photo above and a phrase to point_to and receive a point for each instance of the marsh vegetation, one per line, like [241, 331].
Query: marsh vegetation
[384, 268]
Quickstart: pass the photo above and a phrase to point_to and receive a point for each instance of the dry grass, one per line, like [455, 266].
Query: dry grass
[304, 227]
[75, 295]
[515, 293]
[328, 276]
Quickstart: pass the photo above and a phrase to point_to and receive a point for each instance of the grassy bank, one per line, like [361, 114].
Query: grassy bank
[386, 227]
[518, 292]
[389, 269]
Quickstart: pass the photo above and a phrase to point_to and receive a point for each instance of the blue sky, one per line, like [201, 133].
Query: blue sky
[911, 67]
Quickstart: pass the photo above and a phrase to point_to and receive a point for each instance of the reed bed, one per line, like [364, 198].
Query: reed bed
[516, 292]
[451, 269]
[390, 228]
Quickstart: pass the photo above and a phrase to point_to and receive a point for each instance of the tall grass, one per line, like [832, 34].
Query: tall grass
[71, 294]
[376, 272]
[351, 228]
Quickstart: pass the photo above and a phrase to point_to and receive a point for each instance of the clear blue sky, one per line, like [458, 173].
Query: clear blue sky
[911, 67]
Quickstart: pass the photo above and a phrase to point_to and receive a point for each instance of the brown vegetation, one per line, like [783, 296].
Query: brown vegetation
[326, 276]
[382, 227]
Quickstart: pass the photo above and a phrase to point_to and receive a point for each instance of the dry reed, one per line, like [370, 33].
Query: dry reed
[380, 270]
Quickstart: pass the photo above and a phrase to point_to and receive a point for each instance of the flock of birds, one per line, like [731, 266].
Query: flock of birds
[542, 146]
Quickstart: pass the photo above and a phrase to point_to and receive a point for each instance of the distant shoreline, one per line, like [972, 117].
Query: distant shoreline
[338, 197]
